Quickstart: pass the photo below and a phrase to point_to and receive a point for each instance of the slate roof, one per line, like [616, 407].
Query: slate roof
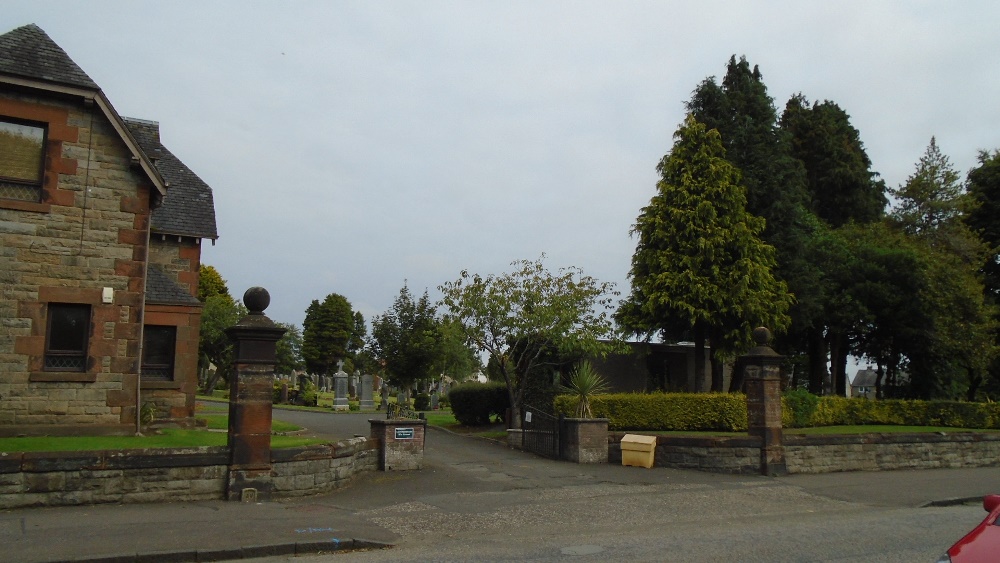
[865, 378]
[30, 53]
[162, 290]
[189, 208]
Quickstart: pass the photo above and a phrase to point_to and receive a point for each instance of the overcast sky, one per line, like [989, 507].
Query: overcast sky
[355, 145]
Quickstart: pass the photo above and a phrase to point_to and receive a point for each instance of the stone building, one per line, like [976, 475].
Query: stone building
[100, 247]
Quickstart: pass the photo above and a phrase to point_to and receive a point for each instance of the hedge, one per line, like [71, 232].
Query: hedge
[473, 404]
[728, 411]
[665, 411]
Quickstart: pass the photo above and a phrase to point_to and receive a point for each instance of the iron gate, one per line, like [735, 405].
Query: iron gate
[541, 432]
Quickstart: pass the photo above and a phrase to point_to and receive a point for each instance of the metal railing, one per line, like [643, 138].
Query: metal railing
[541, 432]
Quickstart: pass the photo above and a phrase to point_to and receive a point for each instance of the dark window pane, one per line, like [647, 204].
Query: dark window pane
[158, 351]
[67, 334]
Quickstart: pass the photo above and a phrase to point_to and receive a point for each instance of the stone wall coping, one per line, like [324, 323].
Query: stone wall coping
[342, 449]
[890, 438]
[40, 462]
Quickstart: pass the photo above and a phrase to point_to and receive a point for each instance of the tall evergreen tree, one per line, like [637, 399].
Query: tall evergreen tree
[841, 184]
[700, 265]
[775, 182]
[329, 334]
[984, 189]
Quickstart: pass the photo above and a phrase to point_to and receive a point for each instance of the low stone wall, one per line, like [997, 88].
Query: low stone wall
[882, 452]
[826, 454]
[719, 455]
[320, 469]
[168, 475]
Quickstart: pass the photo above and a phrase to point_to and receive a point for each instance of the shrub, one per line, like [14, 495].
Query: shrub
[797, 408]
[473, 404]
[665, 411]
[422, 402]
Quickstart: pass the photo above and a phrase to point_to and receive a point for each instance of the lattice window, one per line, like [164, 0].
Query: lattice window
[22, 160]
[67, 336]
[158, 350]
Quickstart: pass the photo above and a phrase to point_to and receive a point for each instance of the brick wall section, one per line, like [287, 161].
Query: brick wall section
[586, 440]
[165, 475]
[88, 233]
[826, 454]
[175, 400]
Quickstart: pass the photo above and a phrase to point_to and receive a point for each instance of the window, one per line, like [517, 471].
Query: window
[67, 334]
[22, 160]
[158, 352]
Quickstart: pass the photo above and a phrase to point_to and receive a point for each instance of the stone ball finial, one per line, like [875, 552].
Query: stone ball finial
[761, 336]
[256, 300]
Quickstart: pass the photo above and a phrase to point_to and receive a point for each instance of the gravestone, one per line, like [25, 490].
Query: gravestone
[352, 388]
[435, 402]
[340, 388]
[367, 402]
[384, 394]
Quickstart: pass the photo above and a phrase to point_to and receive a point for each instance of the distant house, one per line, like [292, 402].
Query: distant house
[863, 384]
[100, 247]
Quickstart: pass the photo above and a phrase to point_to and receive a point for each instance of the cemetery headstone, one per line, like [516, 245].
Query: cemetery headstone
[340, 388]
[367, 392]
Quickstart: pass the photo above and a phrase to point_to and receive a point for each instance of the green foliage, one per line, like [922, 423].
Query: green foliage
[210, 283]
[214, 346]
[584, 384]
[473, 404]
[518, 318]
[422, 402]
[700, 264]
[406, 339]
[330, 333]
[798, 407]
[665, 411]
[838, 411]
[841, 184]
[288, 350]
[147, 412]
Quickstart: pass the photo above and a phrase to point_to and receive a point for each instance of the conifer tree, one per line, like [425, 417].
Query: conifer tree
[700, 266]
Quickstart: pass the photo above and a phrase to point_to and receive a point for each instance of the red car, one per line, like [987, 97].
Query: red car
[982, 544]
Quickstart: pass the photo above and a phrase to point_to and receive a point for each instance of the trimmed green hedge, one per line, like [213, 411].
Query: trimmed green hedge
[838, 411]
[665, 411]
[728, 411]
[473, 404]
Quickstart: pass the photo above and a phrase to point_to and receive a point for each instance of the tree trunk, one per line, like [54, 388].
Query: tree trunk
[838, 363]
[879, 374]
[699, 357]
[717, 363]
[817, 361]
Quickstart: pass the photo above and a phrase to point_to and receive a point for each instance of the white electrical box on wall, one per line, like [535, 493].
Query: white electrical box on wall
[108, 296]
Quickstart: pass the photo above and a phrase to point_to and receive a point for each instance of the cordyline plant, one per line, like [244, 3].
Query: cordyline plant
[584, 384]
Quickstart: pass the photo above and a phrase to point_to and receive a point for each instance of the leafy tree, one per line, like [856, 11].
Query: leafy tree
[219, 313]
[210, 283]
[289, 350]
[984, 190]
[406, 339]
[699, 264]
[455, 357]
[518, 316]
[331, 332]
[840, 181]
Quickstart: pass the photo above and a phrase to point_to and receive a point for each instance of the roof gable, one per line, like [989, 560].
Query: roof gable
[188, 208]
[31, 53]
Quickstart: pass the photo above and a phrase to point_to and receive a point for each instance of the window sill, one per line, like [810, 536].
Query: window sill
[25, 205]
[62, 376]
[158, 384]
